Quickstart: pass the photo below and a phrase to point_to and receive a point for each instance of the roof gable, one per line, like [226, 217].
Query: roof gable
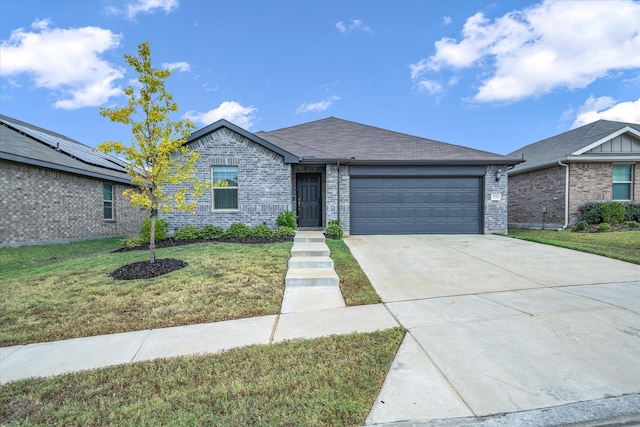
[337, 139]
[581, 141]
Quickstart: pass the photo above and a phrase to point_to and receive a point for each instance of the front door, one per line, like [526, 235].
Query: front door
[309, 191]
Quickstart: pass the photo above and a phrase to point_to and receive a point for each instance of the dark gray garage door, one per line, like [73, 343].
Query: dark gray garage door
[416, 205]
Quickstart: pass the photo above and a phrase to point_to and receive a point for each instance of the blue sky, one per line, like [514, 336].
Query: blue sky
[493, 75]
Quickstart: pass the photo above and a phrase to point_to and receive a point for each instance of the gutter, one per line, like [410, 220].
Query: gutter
[566, 194]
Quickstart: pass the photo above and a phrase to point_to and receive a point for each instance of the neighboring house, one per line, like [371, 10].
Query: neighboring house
[375, 181]
[54, 189]
[597, 162]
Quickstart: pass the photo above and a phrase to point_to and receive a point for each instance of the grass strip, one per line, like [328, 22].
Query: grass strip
[354, 284]
[329, 381]
[621, 245]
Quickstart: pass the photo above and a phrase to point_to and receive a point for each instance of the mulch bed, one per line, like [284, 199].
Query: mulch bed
[147, 270]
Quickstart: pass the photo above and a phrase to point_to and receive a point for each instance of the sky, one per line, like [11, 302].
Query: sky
[492, 75]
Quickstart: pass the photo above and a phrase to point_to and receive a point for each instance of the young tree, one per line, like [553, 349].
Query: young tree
[157, 155]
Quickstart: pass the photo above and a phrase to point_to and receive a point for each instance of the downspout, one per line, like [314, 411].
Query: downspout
[338, 171]
[566, 194]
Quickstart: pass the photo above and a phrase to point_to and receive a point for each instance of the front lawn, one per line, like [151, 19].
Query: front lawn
[622, 245]
[329, 381]
[63, 291]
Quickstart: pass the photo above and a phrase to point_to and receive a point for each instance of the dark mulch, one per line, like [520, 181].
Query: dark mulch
[167, 243]
[147, 270]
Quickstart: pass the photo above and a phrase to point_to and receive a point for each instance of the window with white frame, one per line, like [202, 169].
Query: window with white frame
[622, 182]
[107, 201]
[225, 187]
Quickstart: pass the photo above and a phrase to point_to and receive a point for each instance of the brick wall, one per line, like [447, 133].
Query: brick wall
[40, 205]
[330, 189]
[264, 182]
[495, 203]
[530, 192]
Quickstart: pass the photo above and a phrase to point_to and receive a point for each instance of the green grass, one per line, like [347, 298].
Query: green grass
[354, 284]
[329, 381]
[622, 245]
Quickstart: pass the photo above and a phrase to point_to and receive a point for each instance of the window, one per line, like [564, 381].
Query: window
[622, 179]
[225, 187]
[107, 201]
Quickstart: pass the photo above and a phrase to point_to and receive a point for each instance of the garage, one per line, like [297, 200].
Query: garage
[416, 200]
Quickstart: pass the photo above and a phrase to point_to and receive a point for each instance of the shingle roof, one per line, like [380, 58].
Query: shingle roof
[334, 138]
[25, 143]
[558, 148]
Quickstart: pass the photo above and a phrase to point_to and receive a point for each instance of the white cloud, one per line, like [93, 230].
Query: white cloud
[606, 108]
[150, 6]
[228, 110]
[183, 67]
[66, 61]
[317, 106]
[447, 20]
[554, 44]
[430, 86]
[353, 25]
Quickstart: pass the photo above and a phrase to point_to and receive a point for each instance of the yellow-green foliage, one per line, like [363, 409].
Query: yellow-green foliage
[157, 155]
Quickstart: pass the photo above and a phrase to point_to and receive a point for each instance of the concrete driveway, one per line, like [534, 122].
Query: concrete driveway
[503, 326]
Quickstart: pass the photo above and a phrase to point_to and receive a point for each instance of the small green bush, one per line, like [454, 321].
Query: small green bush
[132, 242]
[592, 212]
[237, 230]
[211, 232]
[188, 232]
[580, 226]
[287, 219]
[262, 230]
[632, 212]
[604, 226]
[284, 231]
[161, 229]
[334, 229]
[632, 224]
[612, 212]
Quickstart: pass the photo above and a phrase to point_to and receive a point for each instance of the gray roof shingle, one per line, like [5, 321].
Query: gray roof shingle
[25, 143]
[549, 151]
[334, 138]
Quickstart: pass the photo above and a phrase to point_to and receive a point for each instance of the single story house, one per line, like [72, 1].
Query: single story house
[373, 180]
[597, 162]
[55, 189]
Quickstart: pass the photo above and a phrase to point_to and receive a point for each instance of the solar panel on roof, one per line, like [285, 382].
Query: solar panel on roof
[71, 148]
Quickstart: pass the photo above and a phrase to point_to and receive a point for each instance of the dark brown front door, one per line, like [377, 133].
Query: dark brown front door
[308, 191]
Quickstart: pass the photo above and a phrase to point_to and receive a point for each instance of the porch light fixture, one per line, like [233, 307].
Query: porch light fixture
[498, 174]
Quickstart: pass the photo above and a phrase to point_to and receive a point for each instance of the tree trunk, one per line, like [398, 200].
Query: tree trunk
[152, 238]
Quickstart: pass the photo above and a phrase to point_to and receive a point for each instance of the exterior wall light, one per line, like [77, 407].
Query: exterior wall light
[498, 174]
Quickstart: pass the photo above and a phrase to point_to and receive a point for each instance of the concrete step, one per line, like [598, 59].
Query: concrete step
[308, 249]
[311, 277]
[309, 237]
[298, 299]
[310, 262]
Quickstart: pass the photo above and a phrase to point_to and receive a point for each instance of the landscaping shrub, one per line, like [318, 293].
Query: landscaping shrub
[632, 224]
[211, 232]
[612, 212]
[592, 212]
[287, 219]
[632, 212]
[580, 226]
[262, 230]
[161, 229]
[188, 232]
[604, 226]
[132, 242]
[237, 230]
[334, 229]
[285, 231]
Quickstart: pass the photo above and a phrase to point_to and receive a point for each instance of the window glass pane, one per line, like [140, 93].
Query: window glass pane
[225, 198]
[621, 191]
[226, 173]
[108, 210]
[622, 173]
[107, 190]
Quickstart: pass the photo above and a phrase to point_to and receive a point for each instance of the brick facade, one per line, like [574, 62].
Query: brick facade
[40, 205]
[588, 182]
[495, 200]
[264, 182]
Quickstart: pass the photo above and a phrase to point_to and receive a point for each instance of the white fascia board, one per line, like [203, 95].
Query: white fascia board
[589, 159]
[607, 138]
